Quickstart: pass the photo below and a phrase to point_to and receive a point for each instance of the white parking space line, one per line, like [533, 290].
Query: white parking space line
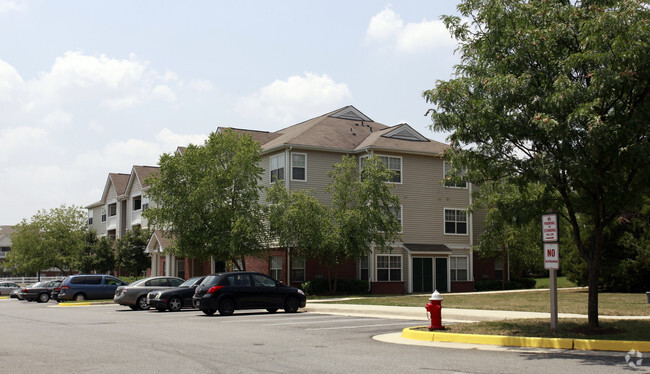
[357, 327]
[330, 321]
[239, 318]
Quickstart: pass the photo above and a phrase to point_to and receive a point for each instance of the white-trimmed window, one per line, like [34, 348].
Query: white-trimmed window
[364, 267]
[448, 183]
[458, 268]
[137, 203]
[397, 212]
[112, 210]
[298, 166]
[103, 214]
[276, 268]
[389, 268]
[393, 164]
[90, 217]
[456, 221]
[298, 269]
[277, 167]
[145, 203]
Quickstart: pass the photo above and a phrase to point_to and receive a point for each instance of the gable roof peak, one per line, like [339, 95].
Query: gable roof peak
[351, 113]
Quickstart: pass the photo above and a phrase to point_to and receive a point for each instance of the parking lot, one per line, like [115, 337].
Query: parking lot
[46, 338]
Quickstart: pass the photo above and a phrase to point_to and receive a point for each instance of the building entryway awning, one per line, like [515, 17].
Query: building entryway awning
[427, 248]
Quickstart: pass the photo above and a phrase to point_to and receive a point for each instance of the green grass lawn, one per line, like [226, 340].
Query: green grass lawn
[569, 301]
[567, 328]
[562, 282]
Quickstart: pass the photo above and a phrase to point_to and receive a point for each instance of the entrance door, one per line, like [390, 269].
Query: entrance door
[422, 275]
[441, 274]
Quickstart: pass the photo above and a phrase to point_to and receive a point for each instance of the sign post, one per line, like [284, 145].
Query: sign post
[550, 238]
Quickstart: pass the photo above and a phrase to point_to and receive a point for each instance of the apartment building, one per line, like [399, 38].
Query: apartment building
[437, 230]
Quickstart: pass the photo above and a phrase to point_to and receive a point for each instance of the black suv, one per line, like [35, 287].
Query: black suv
[227, 292]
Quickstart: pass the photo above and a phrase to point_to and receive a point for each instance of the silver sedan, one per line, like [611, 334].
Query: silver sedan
[7, 287]
[135, 294]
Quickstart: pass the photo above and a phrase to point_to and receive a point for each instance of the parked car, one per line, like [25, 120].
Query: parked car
[134, 295]
[14, 293]
[39, 291]
[227, 292]
[176, 298]
[7, 287]
[88, 286]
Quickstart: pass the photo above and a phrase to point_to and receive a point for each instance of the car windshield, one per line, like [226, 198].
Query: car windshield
[189, 282]
[37, 284]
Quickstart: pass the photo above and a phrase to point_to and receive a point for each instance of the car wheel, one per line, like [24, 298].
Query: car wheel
[43, 298]
[226, 307]
[208, 312]
[175, 304]
[271, 310]
[141, 303]
[291, 305]
[79, 297]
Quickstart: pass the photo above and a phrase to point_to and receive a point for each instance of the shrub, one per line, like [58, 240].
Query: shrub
[343, 287]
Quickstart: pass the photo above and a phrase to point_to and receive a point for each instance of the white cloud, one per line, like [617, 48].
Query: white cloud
[114, 83]
[297, 98]
[200, 85]
[169, 141]
[21, 139]
[384, 25]
[12, 6]
[413, 37]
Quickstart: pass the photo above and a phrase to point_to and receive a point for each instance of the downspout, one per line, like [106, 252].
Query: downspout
[471, 237]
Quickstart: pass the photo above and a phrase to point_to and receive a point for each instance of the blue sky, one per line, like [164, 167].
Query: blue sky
[89, 87]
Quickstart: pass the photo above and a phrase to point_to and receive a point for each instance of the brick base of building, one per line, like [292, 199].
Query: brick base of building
[467, 286]
[390, 288]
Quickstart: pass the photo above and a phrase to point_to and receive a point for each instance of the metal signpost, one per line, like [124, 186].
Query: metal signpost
[550, 238]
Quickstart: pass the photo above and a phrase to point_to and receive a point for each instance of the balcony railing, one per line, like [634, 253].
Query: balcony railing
[111, 224]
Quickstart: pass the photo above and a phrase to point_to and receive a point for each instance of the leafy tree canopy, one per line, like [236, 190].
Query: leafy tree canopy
[208, 198]
[557, 93]
[50, 239]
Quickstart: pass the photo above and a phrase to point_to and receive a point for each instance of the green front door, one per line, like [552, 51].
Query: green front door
[441, 274]
[422, 275]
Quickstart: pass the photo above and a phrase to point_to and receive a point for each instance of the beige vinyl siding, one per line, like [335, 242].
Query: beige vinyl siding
[318, 165]
[424, 198]
[98, 225]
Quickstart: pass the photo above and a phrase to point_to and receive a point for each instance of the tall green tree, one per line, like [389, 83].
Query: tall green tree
[361, 215]
[511, 226]
[208, 199]
[97, 254]
[50, 239]
[130, 256]
[554, 92]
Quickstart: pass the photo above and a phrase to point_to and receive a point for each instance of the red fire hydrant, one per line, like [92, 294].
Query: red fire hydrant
[434, 311]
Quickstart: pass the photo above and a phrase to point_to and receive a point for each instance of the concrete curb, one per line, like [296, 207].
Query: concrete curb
[513, 341]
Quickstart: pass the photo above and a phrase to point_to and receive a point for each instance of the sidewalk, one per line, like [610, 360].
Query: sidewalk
[448, 314]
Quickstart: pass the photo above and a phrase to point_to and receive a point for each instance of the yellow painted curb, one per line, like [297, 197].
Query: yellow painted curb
[75, 304]
[561, 343]
[410, 333]
[515, 341]
[4, 297]
[611, 345]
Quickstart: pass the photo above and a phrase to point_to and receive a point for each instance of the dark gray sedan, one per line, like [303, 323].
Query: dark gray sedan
[135, 294]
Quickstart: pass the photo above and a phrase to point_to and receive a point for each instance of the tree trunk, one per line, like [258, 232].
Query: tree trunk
[592, 281]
